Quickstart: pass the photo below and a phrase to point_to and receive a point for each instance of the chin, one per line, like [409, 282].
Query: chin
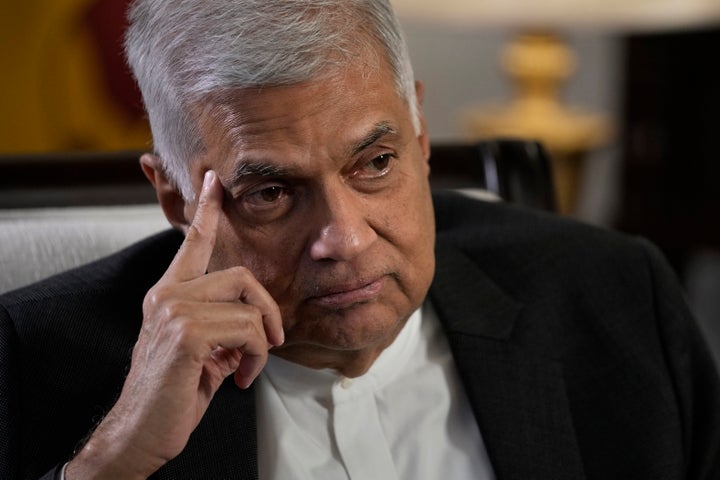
[361, 326]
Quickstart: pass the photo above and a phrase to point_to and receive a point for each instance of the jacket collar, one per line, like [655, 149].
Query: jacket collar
[517, 395]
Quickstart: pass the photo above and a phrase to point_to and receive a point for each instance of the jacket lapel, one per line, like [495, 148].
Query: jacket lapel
[224, 445]
[517, 395]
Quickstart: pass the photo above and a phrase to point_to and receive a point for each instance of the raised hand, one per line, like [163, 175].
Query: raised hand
[198, 328]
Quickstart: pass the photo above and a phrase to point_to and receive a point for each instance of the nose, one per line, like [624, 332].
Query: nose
[344, 231]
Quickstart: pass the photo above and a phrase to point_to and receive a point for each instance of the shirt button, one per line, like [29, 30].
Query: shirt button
[346, 382]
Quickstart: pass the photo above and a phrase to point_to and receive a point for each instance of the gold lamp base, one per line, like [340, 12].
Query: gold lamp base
[539, 63]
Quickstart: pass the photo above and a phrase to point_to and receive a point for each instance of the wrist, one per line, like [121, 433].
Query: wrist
[109, 456]
[92, 463]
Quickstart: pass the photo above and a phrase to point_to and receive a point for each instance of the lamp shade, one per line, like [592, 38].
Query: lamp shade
[605, 15]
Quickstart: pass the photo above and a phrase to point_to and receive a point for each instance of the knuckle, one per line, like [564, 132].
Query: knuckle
[155, 297]
[174, 310]
[184, 331]
[161, 303]
[198, 233]
[179, 328]
[256, 321]
[254, 314]
[248, 320]
[151, 297]
[254, 335]
[241, 273]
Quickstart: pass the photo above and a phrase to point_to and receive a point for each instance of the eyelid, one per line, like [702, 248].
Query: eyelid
[256, 211]
[256, 200]
[250, 183]
[392, 157]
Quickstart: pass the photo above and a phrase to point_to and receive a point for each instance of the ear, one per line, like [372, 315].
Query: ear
[169, 198]
[423, 136]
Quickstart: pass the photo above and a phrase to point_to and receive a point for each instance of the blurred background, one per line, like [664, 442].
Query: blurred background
[625, 94]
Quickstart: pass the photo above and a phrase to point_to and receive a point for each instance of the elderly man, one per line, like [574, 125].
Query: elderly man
[307, 269]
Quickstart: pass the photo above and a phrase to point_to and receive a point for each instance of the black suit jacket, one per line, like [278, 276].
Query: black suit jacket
[574, 345]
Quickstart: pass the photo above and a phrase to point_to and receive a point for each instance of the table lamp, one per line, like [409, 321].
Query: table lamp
[538, 61]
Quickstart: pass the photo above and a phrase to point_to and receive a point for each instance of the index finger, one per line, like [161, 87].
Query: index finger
[194, 254]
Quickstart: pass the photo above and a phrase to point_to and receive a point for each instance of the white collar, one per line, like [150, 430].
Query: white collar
[290, 378]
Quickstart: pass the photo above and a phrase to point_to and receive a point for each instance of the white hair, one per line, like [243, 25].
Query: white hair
[183, 51]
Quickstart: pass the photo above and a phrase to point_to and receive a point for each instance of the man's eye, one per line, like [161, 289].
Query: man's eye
[266, 195]
[380, 163]
[377, 167]
[270, 194]
[266, 203]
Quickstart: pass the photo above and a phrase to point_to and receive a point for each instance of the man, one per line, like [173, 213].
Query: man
[292, 154]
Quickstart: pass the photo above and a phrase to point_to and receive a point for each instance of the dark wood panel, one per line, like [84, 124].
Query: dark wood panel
[65, 179]
[671, 173]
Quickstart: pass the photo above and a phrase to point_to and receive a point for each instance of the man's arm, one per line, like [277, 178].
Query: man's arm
[693, 371]
[197, 329]
[9, 401]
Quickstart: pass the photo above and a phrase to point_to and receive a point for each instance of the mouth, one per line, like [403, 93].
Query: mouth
[345, 296]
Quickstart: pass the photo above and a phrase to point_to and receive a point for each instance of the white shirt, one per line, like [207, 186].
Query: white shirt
[407, 417]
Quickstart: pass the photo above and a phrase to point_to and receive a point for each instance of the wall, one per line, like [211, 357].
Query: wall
[64, 84]
[461, 70]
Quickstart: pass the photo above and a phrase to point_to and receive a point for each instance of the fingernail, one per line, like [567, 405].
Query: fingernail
[208, 179]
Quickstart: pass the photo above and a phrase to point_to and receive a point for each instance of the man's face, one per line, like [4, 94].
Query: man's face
[328, 204]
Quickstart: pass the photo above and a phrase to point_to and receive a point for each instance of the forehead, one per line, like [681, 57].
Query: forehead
[335, 110]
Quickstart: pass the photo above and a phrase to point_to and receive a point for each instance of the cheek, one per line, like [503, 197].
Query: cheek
[409, 226]
[270, 257]
[422, 257]
[233, 248]
[422, 236]
[412, 219]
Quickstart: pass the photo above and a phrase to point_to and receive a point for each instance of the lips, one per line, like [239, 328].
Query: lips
[346, 296]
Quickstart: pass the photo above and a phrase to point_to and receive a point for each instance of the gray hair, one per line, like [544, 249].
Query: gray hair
[183, 51]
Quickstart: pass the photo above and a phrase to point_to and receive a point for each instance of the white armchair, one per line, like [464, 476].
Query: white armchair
[37, 243]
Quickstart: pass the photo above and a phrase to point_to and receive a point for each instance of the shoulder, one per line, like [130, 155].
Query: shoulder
[529, 251]
[90, 312]
[580, 288]
[467, 222]
[65, 346]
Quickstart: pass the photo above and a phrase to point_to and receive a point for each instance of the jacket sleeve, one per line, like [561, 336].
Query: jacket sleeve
[692, 370]
[9, 401]
[10, 404]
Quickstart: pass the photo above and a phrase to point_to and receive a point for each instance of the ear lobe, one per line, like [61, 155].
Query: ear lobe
[169, 198]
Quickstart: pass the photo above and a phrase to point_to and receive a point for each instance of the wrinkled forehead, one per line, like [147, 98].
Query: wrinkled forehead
[236, 116]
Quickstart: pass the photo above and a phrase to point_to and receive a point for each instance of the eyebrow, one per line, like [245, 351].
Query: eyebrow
[378, 131]
[252, 168]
